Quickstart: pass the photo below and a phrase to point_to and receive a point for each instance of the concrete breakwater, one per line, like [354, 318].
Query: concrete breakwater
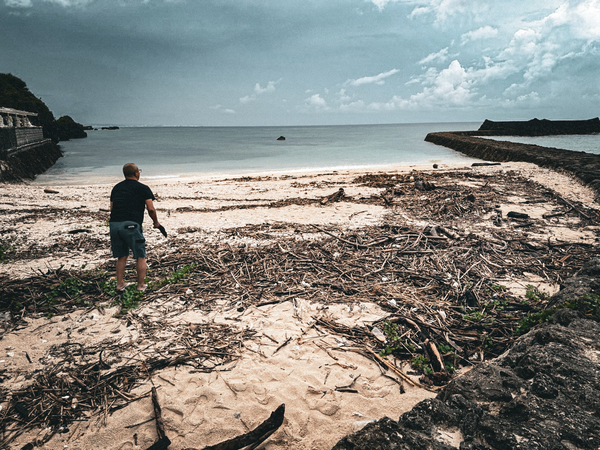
[28, 161]
[584, 166]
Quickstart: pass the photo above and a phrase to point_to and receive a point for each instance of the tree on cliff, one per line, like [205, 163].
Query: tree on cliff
[15, 94]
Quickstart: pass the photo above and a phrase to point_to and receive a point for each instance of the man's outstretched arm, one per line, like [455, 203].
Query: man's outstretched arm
[152, 212]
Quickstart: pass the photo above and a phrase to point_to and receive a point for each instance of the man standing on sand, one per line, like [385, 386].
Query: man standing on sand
[127, 202]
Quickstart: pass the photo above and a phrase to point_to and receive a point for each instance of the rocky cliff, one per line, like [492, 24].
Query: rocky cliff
[27, 164]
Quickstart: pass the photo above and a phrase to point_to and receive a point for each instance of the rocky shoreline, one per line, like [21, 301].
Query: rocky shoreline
[542, 393]
[584, 166]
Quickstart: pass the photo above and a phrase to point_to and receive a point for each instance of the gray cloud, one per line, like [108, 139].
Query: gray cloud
[178, 62]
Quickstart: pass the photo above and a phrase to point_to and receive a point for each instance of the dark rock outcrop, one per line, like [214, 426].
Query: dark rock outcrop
[544, 393]
[15, 94]
[544, 127]
[67, 129]
[586, 281]
[585, 166]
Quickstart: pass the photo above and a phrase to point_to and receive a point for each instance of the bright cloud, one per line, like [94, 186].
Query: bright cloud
[259, 90]
[222, 109]
[377, 79]
[67, 3]
[486, 32]
[270, 87]
[442, 55]
[317, 102]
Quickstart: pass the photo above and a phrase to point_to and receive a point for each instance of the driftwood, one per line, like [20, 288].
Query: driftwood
[163, 441]
[254, 438]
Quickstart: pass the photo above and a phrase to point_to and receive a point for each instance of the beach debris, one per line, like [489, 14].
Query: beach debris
[254, 438]
[80, 230]
[163, 441]
[50, 191]
[335, 197]
[483, 164]
[445, 301]
[517, 215]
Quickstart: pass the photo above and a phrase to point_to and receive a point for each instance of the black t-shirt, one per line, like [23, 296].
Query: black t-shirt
[129, 201]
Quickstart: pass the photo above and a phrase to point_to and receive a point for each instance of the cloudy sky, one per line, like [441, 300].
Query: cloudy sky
[305, 62]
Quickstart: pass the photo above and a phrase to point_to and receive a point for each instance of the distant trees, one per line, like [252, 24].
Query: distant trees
[15, 94]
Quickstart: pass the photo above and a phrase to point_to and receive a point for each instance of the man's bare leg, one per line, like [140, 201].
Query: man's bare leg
[121, 263]
[141, 268]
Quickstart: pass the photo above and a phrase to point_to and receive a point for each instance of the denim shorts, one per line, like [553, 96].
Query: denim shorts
[125, 236]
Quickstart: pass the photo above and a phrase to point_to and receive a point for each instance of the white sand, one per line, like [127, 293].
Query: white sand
[203, 409]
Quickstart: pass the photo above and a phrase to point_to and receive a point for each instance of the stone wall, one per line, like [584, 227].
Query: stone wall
[584, 166]
[8, 140]
[29, 135]
[29, 161]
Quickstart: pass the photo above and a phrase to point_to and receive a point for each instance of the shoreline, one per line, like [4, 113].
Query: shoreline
[264, 239]
[200, 177]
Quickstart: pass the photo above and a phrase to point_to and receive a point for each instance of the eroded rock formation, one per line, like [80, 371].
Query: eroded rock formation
[544, 393]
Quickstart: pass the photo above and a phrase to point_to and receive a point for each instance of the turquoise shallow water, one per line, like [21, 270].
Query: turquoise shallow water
[178, 152]
[589, 143]
[172, 152]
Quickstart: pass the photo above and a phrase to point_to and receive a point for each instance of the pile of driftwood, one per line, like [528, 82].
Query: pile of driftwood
[444, 290]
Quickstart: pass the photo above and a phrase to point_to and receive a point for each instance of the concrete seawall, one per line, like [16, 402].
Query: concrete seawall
[584, 166]
[28, 161]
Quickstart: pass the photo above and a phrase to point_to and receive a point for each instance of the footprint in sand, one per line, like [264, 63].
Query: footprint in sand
[172, 416]
[262, 395]
[327, 405]
[197, 407]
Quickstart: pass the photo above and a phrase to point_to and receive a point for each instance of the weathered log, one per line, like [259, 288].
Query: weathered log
[163, 441]
[255, 437]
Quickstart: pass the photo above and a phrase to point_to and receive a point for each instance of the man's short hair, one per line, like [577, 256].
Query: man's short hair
[130, 169]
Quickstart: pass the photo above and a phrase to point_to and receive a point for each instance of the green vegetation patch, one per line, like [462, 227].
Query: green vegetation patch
[588, 305]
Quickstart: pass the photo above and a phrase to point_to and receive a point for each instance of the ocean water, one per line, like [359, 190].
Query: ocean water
[179, 152]
[589, 143]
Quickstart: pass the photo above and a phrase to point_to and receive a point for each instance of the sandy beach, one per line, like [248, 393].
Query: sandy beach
[283, 353]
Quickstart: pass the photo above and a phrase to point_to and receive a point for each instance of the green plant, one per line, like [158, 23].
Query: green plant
[4, 252]
[421, 363]
[71, 288]
[175, 277]
[475, 316]
[533, 319]
[450, 368]
[487, 342]
[534, 294]
[109, 287]
[444, 349]
[130, 299]
[394, 341]
[588, 305]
